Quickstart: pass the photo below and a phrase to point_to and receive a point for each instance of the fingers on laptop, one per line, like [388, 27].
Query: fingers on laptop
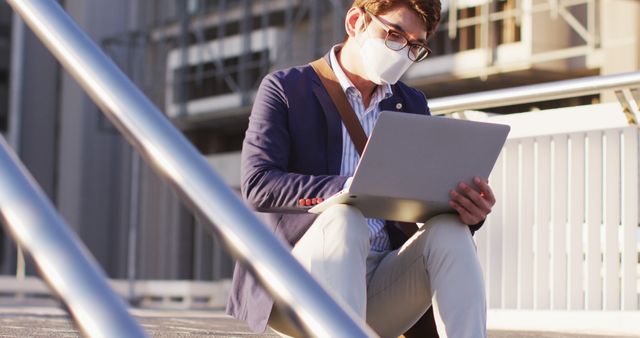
[469, 204]
[472, 203]
[485, 190]
[465, 216]
[307, 202]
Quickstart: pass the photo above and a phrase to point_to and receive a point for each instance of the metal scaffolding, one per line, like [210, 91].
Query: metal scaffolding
[196, 36]
[188, 51]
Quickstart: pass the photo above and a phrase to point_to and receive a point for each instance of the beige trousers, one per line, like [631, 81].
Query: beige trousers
[391, 290]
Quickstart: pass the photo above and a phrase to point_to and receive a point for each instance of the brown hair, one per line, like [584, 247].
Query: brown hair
[429, 10]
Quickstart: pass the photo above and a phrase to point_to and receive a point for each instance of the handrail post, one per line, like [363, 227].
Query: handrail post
[179, 162]
[63, 261]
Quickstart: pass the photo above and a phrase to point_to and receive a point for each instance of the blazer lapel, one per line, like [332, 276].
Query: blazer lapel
[393, 103]
[334, 126]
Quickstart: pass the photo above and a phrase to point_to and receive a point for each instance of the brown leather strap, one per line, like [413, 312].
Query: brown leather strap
[349, 118]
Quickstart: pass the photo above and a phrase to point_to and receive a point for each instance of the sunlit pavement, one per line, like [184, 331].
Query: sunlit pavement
[22, 321]
[49, 321]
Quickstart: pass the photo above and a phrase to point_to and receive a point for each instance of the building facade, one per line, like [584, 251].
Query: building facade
[201, 62]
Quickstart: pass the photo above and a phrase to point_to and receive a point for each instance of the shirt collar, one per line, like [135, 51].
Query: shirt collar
[383, 91]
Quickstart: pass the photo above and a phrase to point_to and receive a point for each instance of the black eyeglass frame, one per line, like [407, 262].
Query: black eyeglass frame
[407, 41]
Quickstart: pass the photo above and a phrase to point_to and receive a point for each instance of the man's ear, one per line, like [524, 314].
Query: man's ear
[354, 21]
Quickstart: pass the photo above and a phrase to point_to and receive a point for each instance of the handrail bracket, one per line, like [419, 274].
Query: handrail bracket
[627, 108]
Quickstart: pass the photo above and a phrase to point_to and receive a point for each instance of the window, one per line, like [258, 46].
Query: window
[507, 29]
[206, 79]
[471, 20]
[219, 74]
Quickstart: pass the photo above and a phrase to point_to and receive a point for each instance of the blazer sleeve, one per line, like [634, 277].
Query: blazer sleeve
[266, 183]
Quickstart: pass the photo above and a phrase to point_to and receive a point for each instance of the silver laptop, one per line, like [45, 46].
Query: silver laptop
[411, 162]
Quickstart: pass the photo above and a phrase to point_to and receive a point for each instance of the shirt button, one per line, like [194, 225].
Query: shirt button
[399, 106]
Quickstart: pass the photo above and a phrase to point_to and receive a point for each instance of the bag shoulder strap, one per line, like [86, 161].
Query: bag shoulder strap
[349, 118]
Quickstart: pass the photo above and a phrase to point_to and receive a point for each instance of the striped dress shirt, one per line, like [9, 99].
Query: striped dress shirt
[368, 116]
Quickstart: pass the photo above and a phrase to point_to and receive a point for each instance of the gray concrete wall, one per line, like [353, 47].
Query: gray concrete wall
[37, 146]
[39, 113]
[92, 170]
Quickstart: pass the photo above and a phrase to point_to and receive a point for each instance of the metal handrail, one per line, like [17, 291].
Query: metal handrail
[534, 93]
[63, 261]
[178, 161]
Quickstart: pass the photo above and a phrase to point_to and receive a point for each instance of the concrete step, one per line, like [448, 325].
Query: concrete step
[48, 321]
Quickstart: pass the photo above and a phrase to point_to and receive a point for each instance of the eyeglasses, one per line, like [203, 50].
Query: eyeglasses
[397, 41]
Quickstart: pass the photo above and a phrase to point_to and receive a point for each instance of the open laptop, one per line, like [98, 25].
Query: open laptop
[411, 162]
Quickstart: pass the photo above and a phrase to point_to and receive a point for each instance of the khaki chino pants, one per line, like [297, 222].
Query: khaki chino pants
[391, 290]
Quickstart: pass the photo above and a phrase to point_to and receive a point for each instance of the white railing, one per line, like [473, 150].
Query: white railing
[564, 235]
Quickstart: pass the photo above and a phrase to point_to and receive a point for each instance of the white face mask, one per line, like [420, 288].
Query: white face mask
[381, 64]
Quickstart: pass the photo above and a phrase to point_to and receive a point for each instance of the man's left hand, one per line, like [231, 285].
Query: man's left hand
[473, 204]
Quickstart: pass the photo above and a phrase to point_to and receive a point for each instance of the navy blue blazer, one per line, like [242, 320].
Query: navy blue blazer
[293, 150]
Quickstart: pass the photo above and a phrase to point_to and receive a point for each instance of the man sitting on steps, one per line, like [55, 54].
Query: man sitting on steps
[298, 151]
